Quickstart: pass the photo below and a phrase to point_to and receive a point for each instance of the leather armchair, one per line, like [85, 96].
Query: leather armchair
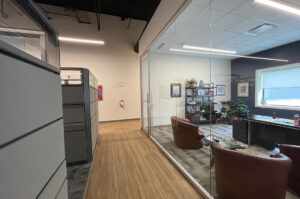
[186, 135]
[244, 176]
[293, 152]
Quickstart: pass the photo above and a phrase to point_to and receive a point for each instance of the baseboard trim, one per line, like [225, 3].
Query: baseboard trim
[184, 172]
[124, 120]
[92, 166]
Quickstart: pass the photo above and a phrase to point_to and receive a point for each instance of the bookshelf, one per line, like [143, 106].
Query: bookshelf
[199, 104]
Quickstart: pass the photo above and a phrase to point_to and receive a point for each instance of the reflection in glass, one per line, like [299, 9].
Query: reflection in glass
[237, 63]
[22, 31]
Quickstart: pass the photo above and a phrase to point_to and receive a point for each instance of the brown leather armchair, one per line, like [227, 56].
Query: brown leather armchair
[243, 176]
[186, 135]
[293, 152]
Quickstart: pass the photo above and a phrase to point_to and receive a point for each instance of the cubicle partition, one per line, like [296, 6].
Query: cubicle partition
[32, 150]
[80, 107]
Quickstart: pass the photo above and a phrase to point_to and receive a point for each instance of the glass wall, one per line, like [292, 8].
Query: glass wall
[224, 96]
[27, 33]
[145, 93]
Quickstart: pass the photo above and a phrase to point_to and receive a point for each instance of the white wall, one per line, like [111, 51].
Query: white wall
[112, 63]
[166, 69]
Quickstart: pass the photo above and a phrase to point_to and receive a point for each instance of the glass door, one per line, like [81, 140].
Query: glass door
[145, 93]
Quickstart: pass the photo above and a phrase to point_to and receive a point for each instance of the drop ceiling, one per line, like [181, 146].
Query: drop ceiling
[230, 20]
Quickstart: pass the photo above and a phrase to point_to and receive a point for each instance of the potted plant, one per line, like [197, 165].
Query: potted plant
[191, 83]
[202, 109]
[218, 118]
[233, 108]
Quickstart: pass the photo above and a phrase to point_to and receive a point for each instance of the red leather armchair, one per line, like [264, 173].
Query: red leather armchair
[293, 152]
[186, 135]
[244, 176]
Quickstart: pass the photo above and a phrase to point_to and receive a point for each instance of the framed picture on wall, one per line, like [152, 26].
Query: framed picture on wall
[243, 89]
[175, 90]
[220, 90]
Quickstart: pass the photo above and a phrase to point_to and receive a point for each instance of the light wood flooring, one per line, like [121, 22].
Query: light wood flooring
[129, 165]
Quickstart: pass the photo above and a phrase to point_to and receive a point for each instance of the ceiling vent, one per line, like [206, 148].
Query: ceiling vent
[261, 29]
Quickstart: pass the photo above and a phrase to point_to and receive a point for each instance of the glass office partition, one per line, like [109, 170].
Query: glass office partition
[224, 81]
[24, 27]
[145, 93]
[181, 90]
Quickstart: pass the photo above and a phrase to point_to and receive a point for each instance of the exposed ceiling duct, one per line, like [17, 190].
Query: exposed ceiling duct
[135, 9]
[81, 16]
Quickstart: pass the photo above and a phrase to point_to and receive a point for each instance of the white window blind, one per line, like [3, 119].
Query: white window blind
[279, 87]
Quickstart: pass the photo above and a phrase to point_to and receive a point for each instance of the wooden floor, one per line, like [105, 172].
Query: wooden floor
[128, 165]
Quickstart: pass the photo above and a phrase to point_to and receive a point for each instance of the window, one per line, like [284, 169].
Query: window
[278, 87]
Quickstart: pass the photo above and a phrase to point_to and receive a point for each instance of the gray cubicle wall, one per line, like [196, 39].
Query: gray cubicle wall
[94, 110]
[80, 108]
[31, 124]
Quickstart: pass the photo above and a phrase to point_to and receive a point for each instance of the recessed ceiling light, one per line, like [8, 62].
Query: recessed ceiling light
[230, 55]
[77, 40]
[280, 6]
[208, 49]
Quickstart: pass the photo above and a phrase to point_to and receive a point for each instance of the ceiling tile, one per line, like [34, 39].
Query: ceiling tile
[246, 25]
[201, 3]
[189, 13]
[228, 27]
[226, 5]
[268, 15]
[228, 21]
[248, 8]
[203, 18]
[284, 19]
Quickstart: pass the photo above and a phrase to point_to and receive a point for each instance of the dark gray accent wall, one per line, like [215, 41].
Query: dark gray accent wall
[243, 70]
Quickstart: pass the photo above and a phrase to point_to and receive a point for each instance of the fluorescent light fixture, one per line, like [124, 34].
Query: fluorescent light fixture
[208, 49]
[77, 40]
[230, 55]
[279, 6]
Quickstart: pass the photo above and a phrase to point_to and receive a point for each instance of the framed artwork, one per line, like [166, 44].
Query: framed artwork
[220, 90]
[100, 92]
[243, 89]
[175, 90]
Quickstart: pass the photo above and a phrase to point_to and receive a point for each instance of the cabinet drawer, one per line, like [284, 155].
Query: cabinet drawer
[73, 113]
[72, 94]
[74, 126]
[28, 164]
[75, 144]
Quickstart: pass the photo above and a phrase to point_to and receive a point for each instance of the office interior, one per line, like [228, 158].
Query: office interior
[226, 72]
[213, 85]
